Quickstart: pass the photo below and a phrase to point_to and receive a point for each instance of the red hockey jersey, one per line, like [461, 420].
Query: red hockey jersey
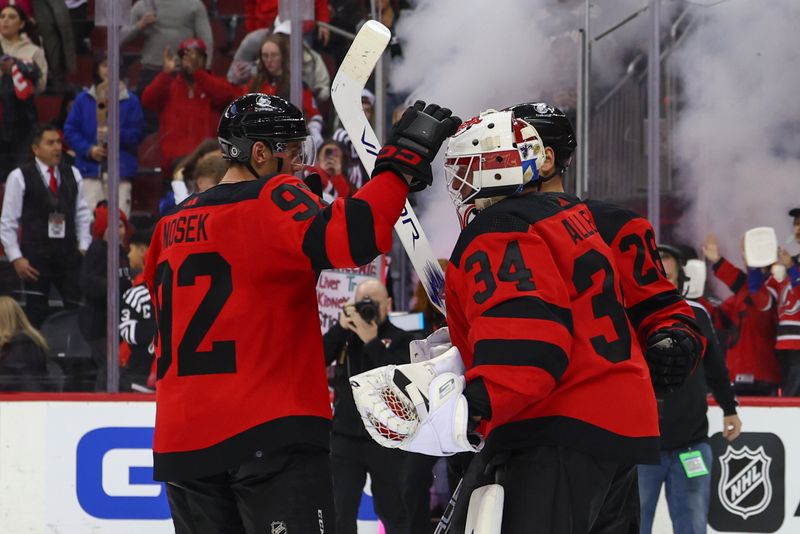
[240, 361]
[788, 316]
[535, 306]
[651, 301]
[753, 318]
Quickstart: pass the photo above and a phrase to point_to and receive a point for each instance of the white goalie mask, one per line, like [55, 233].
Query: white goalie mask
[491, 155]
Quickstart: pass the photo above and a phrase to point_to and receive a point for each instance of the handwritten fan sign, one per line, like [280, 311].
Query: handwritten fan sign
[337, 287]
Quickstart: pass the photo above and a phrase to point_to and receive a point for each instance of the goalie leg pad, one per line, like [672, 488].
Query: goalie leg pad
[485, 513]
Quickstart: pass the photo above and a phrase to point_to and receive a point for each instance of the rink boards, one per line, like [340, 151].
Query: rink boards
[85, 465]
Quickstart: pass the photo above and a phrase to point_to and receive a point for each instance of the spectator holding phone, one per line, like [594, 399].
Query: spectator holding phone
[162, 24]
[332, 163]
[188, 100]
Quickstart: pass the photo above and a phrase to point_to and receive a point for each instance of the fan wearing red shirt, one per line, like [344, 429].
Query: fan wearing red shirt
[188, 99]
[243, 412]
[555, 373]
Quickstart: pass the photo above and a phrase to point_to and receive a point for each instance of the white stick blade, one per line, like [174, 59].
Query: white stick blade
[367, 47]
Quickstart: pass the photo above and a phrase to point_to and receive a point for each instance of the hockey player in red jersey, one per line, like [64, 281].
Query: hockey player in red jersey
[555, 373]
[653, 306]
[243, 414]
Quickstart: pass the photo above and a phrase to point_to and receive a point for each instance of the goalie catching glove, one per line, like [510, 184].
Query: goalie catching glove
[416, 407]
[414, 142]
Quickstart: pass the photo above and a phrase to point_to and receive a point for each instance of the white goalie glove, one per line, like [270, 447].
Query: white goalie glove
[417, 407]
[436, 344]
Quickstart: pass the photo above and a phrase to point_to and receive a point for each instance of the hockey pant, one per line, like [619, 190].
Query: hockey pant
[284, 493]
[555, 490]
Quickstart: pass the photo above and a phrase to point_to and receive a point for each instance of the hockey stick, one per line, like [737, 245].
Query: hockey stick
[364, 53]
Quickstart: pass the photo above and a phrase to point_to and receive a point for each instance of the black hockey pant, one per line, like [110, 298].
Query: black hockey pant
[555, 490]
[290, 493]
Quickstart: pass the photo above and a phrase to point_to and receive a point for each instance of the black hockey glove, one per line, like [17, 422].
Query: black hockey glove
[414, 142]
[672, 355]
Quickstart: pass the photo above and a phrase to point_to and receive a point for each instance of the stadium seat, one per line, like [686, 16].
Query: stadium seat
[64, 337]
[69, 350]
[48, 107]
[230, 7]
[147, 191]
[150, 153]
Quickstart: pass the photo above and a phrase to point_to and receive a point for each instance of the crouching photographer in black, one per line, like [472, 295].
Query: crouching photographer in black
[362, 340]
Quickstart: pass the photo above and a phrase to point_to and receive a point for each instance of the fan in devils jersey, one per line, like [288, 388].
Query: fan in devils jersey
[243, 413]
[555, 372]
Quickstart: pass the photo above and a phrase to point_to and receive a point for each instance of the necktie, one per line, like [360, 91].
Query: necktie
[53, 181]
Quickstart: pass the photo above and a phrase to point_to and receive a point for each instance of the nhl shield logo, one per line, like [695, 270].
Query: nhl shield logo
[278, 527]
[744, 486]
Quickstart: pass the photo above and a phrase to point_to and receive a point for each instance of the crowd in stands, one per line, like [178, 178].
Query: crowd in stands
[182, 63]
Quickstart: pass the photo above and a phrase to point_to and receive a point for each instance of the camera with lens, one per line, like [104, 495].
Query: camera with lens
[367, 309]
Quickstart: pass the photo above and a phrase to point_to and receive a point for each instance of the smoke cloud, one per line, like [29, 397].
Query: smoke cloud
[737, 133]
[471, 56]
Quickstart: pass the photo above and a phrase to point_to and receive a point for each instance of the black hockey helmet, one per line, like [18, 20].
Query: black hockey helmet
[553, 126]
[675, 252]
[259, 117]
[680, 259]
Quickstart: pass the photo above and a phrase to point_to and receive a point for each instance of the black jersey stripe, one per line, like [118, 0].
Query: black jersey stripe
[530, 307]
[360, 231]
[640, 312]
[522, 352]
[314, 240]
[610, 218]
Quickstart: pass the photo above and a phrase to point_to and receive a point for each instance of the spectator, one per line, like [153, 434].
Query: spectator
[246, 60]
[272, 77]
[67, 101]
[86, 133]
[686, 460]
[188, 101]
[137, 323]
[24, 5]
[788, 341]
[332, 162]
[44, 204]
[184, 173]
[55, 26]
[751, 314]
[207, 173]
[364, 339]
[22, 54]
[357, 174]
[166, 24]
[262, 14]
[23, 351]
[92, 318]
[347, 15]
[81, 25]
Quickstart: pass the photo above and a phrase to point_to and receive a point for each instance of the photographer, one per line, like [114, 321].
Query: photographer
[362, 340]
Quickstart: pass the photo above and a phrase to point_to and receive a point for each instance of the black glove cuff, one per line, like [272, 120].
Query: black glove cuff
[405, 162]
